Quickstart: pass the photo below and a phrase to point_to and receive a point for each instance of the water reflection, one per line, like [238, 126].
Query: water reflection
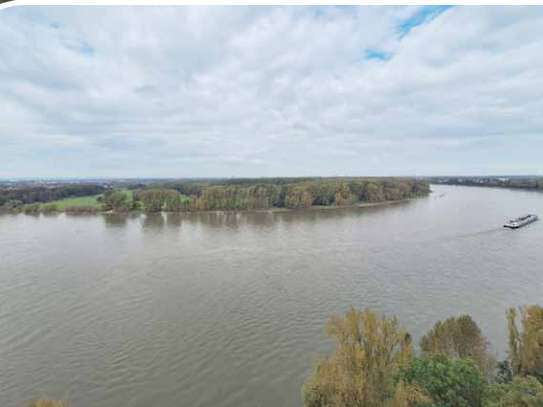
[153, 221]
[116, 219]
[218, 219]
[81, 215]
[52, 214]
[175, 219]
[268, 219]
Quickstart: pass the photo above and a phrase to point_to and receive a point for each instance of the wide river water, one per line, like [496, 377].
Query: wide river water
[228, 309]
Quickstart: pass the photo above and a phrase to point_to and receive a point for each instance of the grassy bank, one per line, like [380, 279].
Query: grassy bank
[91, 205]
[81, 201]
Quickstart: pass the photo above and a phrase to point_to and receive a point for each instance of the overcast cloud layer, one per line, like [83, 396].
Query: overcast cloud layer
[252, 91]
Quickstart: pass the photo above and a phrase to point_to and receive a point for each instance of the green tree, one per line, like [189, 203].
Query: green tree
[504, 374]
[115, 200]
[521, 392]
[370, 351]
[172, 201]
[450, 382]
[154, 200]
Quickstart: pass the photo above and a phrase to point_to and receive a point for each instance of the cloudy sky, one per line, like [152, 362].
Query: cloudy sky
[254, 91]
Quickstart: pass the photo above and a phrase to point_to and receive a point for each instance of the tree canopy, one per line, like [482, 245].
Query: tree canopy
[370, 352]
[449, 382]
[373, 364]
[458, 337]
[526, 341]
[520, 392]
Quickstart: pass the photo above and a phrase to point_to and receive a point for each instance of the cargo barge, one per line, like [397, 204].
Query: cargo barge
[520, 222]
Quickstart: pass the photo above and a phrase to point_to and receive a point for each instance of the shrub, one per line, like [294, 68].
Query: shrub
[31, 208]
[450, 382]
[521, 392]
[48, 208]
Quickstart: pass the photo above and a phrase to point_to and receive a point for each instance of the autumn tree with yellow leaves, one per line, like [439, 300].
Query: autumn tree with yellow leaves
[370, 351]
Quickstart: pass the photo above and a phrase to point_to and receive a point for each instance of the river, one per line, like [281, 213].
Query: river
[228, 309]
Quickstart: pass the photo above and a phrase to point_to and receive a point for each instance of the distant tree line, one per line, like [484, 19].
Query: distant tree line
[519, 182]
[209, 195]
[374, 364]
[276, 193]
[41, 194]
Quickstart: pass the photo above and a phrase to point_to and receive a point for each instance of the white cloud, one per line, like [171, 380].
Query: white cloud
[249, 91]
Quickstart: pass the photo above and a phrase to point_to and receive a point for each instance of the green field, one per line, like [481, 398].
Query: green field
[77, 201]
[85, 201]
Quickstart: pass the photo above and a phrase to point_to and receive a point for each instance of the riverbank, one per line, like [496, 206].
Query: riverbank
[91, 210]
[368, 204]
[527, 182]
[221, 195]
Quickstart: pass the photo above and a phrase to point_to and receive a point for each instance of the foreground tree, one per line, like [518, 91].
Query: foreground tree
[521, 392]
[504, 374]
[459, 337]
[450, 382]
[526, 344]
[370, 352]
[409, 395]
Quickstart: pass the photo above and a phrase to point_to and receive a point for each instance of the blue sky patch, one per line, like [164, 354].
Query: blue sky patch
[422, 16]
[86, 49]
[376, 54]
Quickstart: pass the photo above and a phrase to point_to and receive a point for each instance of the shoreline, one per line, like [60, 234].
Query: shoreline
[268, 210]
[506, 187]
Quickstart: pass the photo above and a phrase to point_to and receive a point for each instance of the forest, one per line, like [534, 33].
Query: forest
[265, 195]
[374, 364]
[210, 195]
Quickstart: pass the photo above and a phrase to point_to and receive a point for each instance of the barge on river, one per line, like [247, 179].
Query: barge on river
[520, 222]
